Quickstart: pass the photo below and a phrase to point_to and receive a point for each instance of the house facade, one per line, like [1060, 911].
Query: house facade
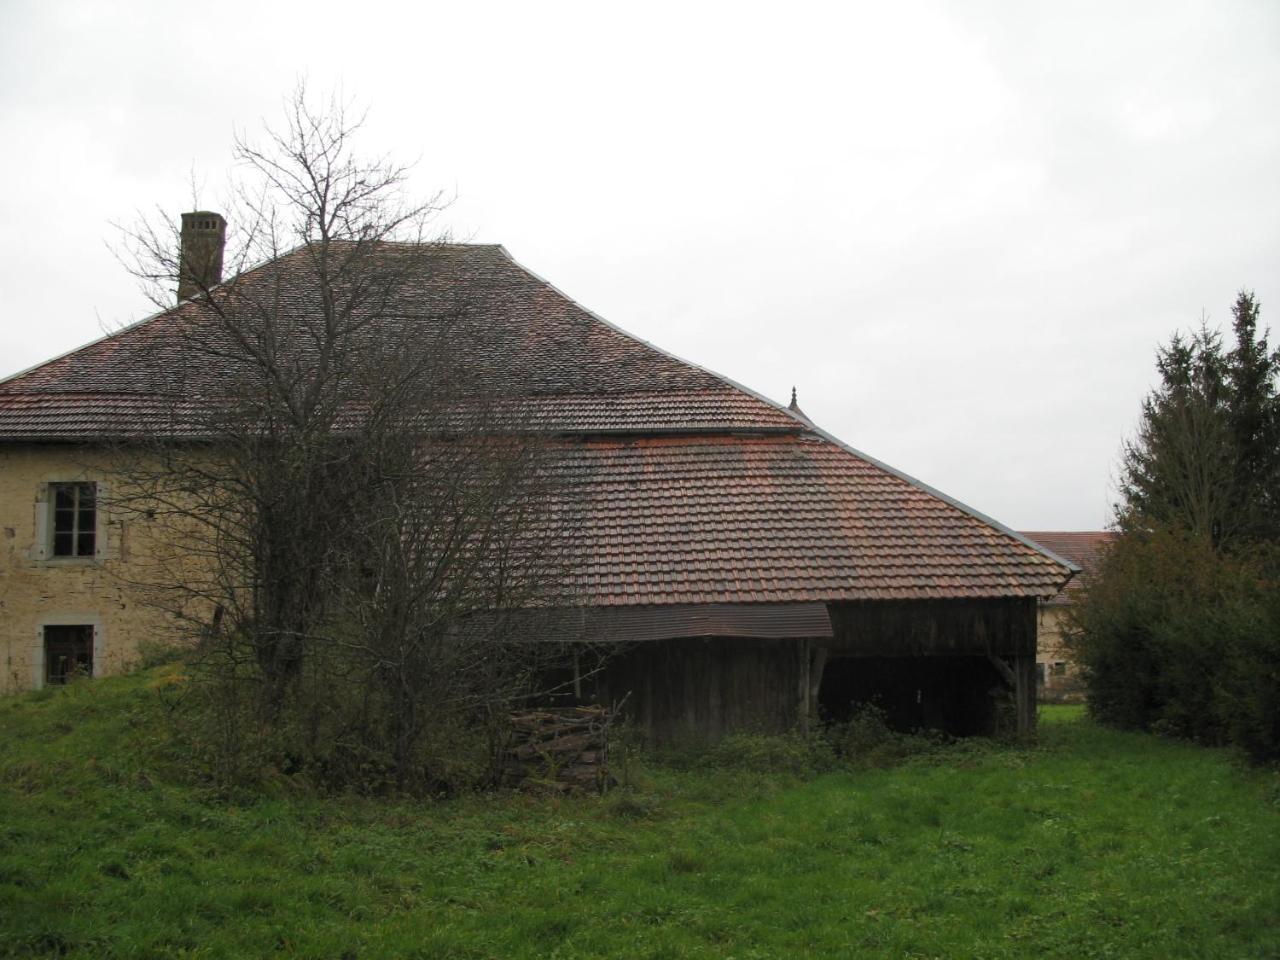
[1058, 678]
[750, 569]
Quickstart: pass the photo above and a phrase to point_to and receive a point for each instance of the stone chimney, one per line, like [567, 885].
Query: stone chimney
[200, 266]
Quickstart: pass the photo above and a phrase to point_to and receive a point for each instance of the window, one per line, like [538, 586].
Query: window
[1059, 669]
[75, 519]
[68, 652]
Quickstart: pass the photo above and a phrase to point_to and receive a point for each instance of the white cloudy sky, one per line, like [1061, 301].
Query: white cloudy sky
[959, 229]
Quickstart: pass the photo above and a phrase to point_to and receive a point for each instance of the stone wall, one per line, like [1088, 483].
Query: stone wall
[1058, 678]
[39, 590]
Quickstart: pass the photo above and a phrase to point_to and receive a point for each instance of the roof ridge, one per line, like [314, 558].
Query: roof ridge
[248, 271]
[801, 422]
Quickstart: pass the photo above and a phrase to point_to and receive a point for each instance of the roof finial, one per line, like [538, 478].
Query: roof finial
[795, 407]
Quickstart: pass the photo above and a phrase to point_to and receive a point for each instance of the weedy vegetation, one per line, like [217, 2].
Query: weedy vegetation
[1092, 843]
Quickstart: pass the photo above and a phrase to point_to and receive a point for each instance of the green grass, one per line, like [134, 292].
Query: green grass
[1093, 843]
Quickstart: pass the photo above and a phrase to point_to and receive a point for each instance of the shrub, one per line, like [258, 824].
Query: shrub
[157, 652]
[794, 753]
[627, 803]
[331, 743]
[867, 740]
[1181, 638]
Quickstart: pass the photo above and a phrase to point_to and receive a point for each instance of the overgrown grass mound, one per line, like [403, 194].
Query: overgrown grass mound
[1094, 843]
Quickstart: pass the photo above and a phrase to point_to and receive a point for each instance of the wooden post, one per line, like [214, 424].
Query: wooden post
[803, 706]
[1002, 668]
[689, 689]
[1024, 668]
[815, 677]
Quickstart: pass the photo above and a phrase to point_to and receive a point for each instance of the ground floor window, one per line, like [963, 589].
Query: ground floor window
[68, 652]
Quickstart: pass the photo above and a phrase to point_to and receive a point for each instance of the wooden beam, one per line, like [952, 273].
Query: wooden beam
[1005, 671]
[817, 665]
[1024, 694]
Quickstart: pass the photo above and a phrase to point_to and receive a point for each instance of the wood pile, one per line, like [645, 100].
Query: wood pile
[560, 748]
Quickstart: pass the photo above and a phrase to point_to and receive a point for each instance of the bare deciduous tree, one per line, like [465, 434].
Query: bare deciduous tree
[339, 510]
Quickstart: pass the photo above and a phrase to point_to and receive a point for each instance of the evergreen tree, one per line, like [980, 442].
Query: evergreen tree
[1180, 631]
[1254, 416]
[1206, 457]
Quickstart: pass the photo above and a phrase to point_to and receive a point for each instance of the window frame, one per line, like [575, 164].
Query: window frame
[85, 619]
[79, 530]
[83, 650]
[43, 543]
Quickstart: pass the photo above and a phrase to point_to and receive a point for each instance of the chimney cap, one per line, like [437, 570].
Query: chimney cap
[203, 220]
[204, 234]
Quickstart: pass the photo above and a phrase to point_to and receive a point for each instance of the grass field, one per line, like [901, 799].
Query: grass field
[1091, 844]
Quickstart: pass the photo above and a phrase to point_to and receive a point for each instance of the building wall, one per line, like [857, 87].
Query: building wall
[37, 589]
[703, 688]
[1058, 678]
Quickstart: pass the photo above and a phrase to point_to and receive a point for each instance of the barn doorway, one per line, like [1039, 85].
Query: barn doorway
[957, 695]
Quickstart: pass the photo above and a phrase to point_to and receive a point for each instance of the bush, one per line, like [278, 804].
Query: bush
[1180, 638]
[628, 803]
[322, 739]
[158, 652]
[867, 740]
[792, 753]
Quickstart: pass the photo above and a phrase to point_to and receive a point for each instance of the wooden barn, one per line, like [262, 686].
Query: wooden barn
[747, 568]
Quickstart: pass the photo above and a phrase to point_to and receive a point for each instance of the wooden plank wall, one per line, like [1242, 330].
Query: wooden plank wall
[1004, 627]
[704, 688]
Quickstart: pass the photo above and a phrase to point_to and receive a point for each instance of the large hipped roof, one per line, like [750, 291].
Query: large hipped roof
[690, 488]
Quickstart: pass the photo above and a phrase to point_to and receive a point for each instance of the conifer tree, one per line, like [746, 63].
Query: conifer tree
[1180, 631]
[1254, 415]
[1206, 457]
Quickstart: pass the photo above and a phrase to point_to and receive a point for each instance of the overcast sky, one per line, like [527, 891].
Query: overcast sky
[959, 229]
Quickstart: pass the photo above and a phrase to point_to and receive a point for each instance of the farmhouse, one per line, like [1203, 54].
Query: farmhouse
[1057, 677]
[751, 569]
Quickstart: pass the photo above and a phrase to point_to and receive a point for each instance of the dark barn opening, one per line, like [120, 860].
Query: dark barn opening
[940, 664]
[958, 695]
[963, 667]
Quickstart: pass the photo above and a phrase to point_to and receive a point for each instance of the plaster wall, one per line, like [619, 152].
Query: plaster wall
[37, 589]
[1062, 681]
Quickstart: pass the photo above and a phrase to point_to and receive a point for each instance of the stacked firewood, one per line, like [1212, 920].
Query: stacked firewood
[560, 748]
